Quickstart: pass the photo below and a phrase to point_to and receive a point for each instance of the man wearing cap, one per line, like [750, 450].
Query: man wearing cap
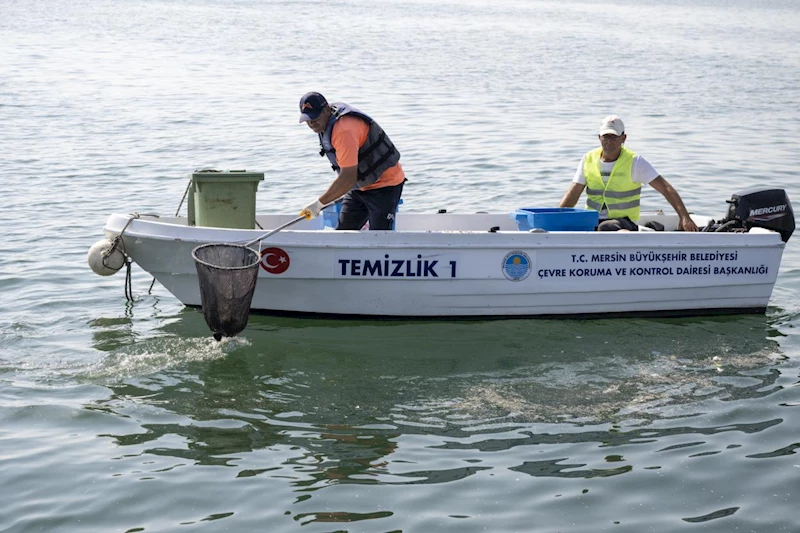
[613, 176]
[367, 163]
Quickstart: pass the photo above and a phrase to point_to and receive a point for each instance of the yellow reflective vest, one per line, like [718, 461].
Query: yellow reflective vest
[620, 194]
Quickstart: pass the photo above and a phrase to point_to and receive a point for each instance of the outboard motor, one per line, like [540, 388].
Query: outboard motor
[761, 208]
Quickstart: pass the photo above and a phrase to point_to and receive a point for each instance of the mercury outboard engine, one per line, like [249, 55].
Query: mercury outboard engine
[759, 208]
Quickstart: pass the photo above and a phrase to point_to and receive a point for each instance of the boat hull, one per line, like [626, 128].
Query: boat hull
[474, 272]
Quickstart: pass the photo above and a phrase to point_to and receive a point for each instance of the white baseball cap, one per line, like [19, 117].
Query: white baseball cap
[612, 124]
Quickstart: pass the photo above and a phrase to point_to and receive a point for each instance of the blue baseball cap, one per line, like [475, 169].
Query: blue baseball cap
[311, 106]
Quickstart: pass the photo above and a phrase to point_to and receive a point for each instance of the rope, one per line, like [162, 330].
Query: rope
[128, 281]
[184, 196]
[137, 215]
[118, 242]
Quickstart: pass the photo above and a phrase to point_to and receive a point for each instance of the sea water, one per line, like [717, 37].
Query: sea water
[127, 416]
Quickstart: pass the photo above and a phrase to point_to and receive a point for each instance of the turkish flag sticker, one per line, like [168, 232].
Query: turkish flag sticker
[274, 260]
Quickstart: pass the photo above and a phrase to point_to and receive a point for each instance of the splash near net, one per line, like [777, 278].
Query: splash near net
[227, 274]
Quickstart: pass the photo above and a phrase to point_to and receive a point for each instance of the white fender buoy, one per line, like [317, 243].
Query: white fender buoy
[103, 260]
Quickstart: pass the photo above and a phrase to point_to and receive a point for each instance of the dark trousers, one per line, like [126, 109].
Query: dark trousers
[378, 206]
[616, 224]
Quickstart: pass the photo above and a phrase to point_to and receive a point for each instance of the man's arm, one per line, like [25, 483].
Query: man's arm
[344, 182]
[571, 196]
[345, 141]
[667, 191]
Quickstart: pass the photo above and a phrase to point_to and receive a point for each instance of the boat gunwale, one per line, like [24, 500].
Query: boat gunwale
[622, 240]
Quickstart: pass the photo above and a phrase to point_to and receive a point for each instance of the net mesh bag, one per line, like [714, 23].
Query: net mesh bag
[227, 275]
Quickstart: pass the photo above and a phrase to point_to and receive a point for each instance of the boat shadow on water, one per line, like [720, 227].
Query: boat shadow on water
[344, 392]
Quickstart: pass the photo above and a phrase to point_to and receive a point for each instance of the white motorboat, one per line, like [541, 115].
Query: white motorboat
[484, 265]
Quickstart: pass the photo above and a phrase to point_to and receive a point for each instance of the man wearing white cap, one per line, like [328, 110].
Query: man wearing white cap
[613, 176]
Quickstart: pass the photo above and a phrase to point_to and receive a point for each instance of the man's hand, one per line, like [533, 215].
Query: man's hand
[312, 210]
[687, 224]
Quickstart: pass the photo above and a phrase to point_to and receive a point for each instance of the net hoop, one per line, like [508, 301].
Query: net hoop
[203, 247]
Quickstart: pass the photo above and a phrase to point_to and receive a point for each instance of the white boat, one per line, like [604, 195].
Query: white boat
[482, 265]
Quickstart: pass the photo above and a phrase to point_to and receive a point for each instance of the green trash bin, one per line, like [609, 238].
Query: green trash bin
[223, 199]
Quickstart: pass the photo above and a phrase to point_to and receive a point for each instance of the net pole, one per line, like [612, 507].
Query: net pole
[284, 226]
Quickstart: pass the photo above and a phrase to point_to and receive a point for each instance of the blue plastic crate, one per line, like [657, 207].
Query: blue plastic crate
[331, 214]
[555, 218]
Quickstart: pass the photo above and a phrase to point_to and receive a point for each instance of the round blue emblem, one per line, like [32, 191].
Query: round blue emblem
[516, 265]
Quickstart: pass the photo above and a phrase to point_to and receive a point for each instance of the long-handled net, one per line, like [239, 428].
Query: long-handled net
[227, 275]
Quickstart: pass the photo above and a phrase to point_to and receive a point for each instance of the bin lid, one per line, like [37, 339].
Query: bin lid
[226, 176]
